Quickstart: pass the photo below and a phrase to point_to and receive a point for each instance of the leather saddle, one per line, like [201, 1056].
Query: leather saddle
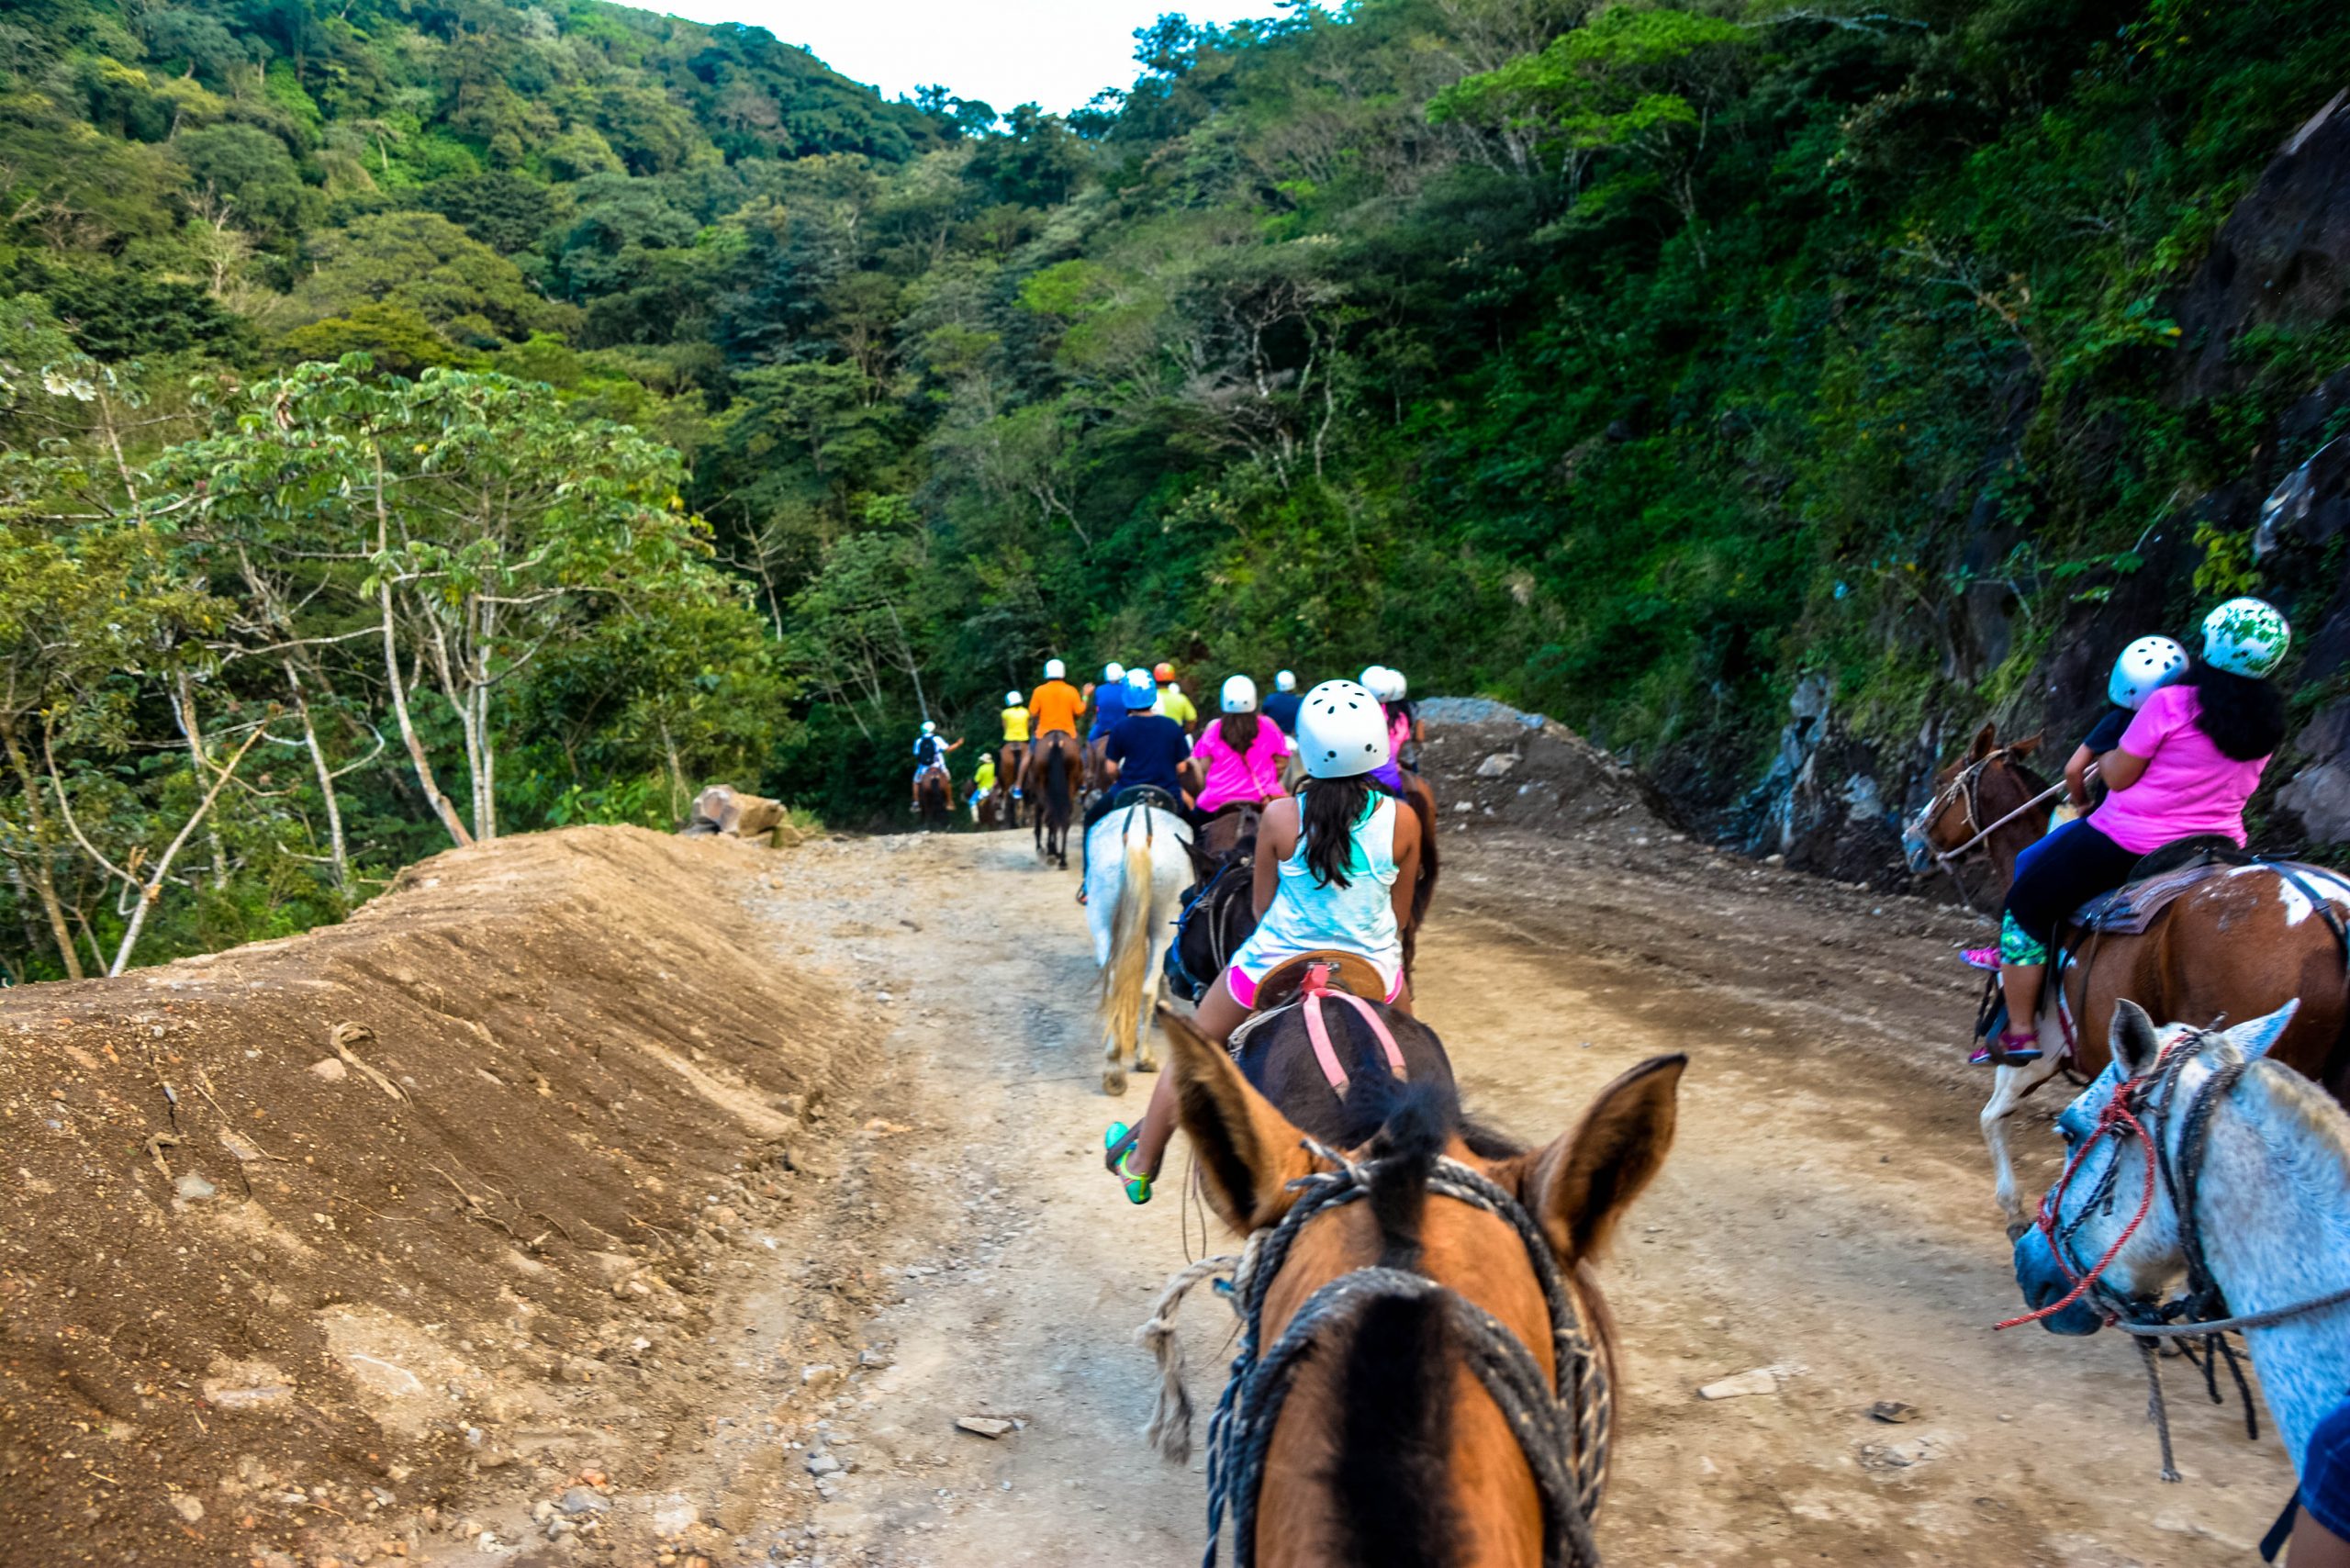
[1350, 971]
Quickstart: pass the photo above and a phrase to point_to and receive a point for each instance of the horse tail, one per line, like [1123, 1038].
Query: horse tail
[1121, 982]
[1057, 797]
[1423, 801]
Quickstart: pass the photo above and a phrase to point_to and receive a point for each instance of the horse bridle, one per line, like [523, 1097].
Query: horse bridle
[1554, 1415]
[2201, 1312]
[1968, 786]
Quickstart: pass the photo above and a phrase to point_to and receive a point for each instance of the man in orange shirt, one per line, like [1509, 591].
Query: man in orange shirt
[1055, 704]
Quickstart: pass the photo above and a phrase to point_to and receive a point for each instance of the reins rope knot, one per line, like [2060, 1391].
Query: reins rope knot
[1562, 1424]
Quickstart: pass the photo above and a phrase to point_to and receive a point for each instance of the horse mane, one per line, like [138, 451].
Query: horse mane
[2309, 1103]
[1396, 1420]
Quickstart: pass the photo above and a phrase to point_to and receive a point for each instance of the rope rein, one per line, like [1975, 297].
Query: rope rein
[1562, 1424]
[2150, 1098]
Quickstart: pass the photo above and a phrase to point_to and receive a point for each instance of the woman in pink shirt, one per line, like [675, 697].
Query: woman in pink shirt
[1240, 755]
[2184, 767]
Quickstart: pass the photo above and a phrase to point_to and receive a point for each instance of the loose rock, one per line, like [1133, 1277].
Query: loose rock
[1762, 1380]
[985, 1426]
[330, 1068]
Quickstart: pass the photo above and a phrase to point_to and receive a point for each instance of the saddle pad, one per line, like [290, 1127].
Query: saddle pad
[2131, 908]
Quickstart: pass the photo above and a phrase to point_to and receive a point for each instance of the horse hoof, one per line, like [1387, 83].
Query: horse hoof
[1113, 1081]
[1145, 1064]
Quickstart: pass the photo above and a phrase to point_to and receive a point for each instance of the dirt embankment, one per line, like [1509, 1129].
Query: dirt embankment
[301, 1239]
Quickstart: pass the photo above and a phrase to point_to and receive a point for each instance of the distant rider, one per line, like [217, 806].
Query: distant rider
[2185, 767]
[1148, 750]
[1108, 708]
[1239, 755]
[1336, 865]
[983, 784]
[1171, 701]
[1016, 739]
[1055, 708]
[931, 753]
[1281, 706]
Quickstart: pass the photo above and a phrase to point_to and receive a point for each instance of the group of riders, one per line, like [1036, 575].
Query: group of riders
[2177, 758]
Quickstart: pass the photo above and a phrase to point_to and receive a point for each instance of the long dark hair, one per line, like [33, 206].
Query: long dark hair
[1327, 810]
[1238, 730]
[2244, 717]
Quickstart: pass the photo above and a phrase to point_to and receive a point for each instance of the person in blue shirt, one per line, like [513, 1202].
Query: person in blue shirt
[1145, 750]
[1108, 708]
[1281, 706]
[2322, 1531]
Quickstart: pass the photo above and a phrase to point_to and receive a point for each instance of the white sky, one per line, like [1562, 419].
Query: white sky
[1054, 52]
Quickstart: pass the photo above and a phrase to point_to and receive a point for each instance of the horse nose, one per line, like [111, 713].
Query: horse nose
[2042, 1282]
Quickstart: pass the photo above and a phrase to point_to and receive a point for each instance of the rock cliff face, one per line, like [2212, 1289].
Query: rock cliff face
[1832, 803]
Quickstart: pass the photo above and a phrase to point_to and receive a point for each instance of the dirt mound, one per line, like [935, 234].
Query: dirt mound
[1495, 766]
[299, 1235]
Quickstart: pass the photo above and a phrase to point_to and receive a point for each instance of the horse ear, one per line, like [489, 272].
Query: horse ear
[2254, 1039]
[2131, 1039]
[2024, 747]
[1580, 1186]
[1245, 1151]
[1986, 739]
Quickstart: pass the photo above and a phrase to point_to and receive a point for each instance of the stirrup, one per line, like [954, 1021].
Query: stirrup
[2003, 1050]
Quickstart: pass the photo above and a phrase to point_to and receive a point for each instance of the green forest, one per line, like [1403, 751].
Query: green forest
[421, 420]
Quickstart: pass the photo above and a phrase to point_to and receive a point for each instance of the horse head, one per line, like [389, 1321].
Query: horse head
[1387, 1433]
[1970, 794]
[2109, 1241]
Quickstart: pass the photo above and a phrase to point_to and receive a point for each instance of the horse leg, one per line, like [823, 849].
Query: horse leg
[2008, 1089]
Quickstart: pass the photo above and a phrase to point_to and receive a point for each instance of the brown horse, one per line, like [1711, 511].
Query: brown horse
[1051, 789]
[1421, 796]
[1012, 766]
[2239, 945]
[1389, 1446]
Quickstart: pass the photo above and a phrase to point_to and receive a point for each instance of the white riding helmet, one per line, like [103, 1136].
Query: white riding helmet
[1285, 681]
[1113, 670]
[1239, 694]
[928, 728]
[1396, 686]
[1340, 731]
[1374, 679]
[2145, 667]
[1055, 670]
[2247, 637]
[1012, 699]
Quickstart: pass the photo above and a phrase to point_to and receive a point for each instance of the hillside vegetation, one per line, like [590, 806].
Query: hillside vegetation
[1637, 362]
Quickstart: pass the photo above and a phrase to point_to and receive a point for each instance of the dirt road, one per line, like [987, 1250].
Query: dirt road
[1825, 1214]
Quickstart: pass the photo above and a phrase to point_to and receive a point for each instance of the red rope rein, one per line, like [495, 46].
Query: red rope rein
[2117, 1116]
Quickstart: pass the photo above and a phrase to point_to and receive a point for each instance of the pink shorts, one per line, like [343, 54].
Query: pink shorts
[1243, 986]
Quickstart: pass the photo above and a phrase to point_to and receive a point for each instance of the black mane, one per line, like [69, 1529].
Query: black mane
[1395, 1424]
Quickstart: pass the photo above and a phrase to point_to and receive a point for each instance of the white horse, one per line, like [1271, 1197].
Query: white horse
[2260, 1157]
[1138, 863]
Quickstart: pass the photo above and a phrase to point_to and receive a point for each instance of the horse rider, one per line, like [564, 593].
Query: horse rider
[1055, 708]
[2145, 667]
[1015, 740]
[1281, 706]
[1109, 707]
[1336, 865]
[1403, 726]
[1171, 701]
[2183, 767]
[1379, 680]
[931, 755]
[1148, 750]
[983, 784]
[1239, 755]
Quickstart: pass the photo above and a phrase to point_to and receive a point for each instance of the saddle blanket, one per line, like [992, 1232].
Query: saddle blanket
[2131, 908]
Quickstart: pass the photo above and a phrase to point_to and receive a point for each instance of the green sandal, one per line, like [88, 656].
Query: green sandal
[1117, 1144]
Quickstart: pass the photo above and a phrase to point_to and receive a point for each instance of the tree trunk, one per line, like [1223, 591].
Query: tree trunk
[44, 875]
[183, 709]
[440, 802]
[326, 783]
[152, 893]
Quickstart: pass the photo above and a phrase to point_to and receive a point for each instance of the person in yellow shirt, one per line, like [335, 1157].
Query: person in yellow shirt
[983, 784]
[1174, 704]
[1015, 740]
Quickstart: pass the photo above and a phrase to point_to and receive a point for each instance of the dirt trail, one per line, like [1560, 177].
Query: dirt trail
[1826, 1213]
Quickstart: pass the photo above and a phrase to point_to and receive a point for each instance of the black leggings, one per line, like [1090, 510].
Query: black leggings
[2057, 875]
